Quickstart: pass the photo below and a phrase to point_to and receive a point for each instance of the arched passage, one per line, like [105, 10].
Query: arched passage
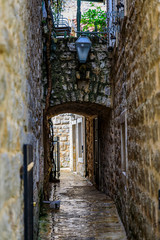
[96, 117]
[72, 87]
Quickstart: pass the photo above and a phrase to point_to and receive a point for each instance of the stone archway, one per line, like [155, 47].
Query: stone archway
[90, 111]
[72, 87]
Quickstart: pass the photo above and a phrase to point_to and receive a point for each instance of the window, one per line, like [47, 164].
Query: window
[124, 157]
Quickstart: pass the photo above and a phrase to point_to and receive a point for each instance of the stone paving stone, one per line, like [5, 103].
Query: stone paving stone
[84, 214]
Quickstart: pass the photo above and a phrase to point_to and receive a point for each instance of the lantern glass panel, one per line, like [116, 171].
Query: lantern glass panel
[83, 45]
[83, 51]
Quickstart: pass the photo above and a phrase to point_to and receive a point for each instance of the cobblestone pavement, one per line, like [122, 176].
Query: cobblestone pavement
[85, 213]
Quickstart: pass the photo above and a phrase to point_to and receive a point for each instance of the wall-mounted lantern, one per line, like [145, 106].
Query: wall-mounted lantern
[83, 45]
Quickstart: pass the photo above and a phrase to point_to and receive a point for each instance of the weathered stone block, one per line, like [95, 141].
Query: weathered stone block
[66, 56]
[71, 47]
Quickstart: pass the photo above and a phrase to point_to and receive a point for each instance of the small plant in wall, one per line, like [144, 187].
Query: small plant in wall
[94, 16]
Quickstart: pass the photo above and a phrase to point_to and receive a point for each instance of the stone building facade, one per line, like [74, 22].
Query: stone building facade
[20, 110]
[129, 132]
[74, 82]
[131, 135]
[61, 128]
[70, 129]
[128, 120]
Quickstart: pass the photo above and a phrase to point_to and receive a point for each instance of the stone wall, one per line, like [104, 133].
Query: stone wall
[89, 149]
[107, 154]
[75, 82]
[136, 78]
[20, 109]
[61, 126]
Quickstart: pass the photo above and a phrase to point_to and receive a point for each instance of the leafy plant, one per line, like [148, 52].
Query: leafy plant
[94, 17]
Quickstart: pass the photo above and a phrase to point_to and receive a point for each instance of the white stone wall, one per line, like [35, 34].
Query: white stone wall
[61, 126]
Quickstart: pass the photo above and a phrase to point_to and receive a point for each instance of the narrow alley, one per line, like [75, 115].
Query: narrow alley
[80, 119]
[85, 213]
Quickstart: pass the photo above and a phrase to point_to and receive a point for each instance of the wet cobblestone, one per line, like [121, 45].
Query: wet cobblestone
[85, 213]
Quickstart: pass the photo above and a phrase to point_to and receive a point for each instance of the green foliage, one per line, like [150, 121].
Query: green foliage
[57, 5]
[94, 17]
